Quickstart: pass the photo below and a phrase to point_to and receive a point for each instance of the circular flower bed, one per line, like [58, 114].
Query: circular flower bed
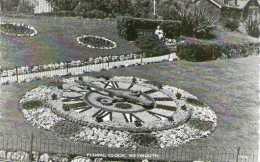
[17, 29]
[96, 42]
[79, 111]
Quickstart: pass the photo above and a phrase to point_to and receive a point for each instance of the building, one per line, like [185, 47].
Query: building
[237, 9]
[42, 7]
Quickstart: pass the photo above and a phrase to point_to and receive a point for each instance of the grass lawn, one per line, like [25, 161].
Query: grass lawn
[230, 87]
[56, 41]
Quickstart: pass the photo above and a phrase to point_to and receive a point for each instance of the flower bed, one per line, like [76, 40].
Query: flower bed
[191, 118]
[16, 29]
[96, 42]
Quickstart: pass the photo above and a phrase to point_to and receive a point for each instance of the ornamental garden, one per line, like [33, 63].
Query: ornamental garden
[125, 110]
[118, 112]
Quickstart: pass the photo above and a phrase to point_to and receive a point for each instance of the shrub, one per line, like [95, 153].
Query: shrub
[32, 104]
[178, 95]
[232, 24]
[54, 96]
[98, 14]
[202, 125]
[138, 123]
[198, 50]
[184, 107]
[195, 102]
[146, 140]
[99, 119]
[196, 19]
[252, 28]
[127, 27]
[66, 128]
[15, 29]
[151, 45]
[80, 78]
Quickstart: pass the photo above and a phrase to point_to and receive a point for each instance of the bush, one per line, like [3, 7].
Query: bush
[95, 14]
[252, 28]
[32, 104]
[15, 29]
[232, 24]
[195, 102]
[197, 50]
[151, 45]
[178, 95]
[66, 129]
[202, 125]
[127, 27]
[146, 140]
[54, 96]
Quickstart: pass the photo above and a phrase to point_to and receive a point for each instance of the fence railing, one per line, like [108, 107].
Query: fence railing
[54, 145]
[26, 74]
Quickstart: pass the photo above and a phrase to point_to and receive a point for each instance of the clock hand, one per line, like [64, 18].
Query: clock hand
[129, 96]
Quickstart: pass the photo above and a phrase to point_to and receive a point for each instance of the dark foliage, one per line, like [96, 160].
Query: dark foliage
[232, 24]
[195, 18]
[202, 125]
[66, 128]
[151, 45]
[145, 140]
[195, 102]
[128, 27]
[178, 95]
[54, 96]
[15, 29]
[198, 50]
[252, 28]
[32, 104]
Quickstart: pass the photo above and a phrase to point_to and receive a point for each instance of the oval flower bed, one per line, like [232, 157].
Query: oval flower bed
[17, 29]
[96, 42]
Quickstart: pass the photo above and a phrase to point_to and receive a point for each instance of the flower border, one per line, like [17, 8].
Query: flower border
[19, 25]
[98, 37]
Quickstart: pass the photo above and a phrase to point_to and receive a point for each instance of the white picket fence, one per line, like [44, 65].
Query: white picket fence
[18, 78]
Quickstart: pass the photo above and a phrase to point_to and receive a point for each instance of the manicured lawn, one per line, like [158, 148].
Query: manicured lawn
[230, 87]
[56, 41]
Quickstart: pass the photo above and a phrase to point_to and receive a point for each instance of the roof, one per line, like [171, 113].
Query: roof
[243, 3]
[220, 3]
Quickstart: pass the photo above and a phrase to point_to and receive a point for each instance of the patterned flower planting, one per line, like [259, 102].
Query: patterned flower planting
[17, 29]
[109, 112]
[96, 42]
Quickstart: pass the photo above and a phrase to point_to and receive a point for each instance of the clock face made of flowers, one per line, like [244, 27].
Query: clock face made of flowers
[119, 106]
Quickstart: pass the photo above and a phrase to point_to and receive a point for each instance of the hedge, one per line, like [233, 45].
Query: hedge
[128, 27]
[198, 50]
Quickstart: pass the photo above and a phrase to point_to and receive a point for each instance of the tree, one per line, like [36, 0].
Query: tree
[142, 8]
[194, 17]
[252, 27]
[63, 5]
[26, 6]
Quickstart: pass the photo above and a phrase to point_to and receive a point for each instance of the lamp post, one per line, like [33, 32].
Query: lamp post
[154, 9]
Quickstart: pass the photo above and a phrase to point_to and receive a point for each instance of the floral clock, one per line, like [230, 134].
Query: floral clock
[126, 107]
